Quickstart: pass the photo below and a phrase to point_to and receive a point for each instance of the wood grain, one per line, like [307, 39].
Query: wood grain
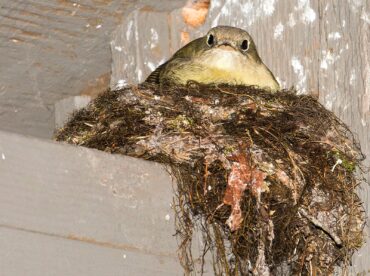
[79, 194]
[27, 253]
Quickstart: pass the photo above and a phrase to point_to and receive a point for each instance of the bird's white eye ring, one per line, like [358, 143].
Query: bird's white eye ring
[210, 40]
[245, 45]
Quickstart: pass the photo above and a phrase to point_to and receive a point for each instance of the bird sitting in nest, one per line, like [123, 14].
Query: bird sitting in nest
[225, 55]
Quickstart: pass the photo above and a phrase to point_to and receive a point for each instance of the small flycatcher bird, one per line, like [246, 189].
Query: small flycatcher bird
[225, 55]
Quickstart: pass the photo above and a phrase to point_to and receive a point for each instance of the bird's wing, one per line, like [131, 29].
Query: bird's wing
[186, 52]
[154, 77]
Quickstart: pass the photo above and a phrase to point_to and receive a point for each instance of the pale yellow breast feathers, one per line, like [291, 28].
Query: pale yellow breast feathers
[222, 66]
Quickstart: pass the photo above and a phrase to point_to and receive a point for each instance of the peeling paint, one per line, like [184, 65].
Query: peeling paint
[356, 5]
[300, 72]
[365, 17]
[167, 217]
[128, 29]
[154, 38]
[225, 10]
[216, 4]
[136, 32]
[268, 7]
[328, 102]
[291, 21]
[328, 58]
[251, 11]
[334, 36]
[163, 60]
[352, 77]
[278, 32]
[151, 65]
[121, 83]
[248, 8]
[118, 48]
[297, 66]
[139, 74]
[308, 14]
[282, 83]
[324, 65]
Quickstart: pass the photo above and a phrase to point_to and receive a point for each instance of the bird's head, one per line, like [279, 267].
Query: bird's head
[231, 39]
[224, 55]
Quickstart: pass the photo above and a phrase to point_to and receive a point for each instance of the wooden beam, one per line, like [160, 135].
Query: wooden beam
[77, 201]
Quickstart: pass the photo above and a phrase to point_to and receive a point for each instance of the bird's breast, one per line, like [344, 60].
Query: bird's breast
[223, 59]
[224, 66]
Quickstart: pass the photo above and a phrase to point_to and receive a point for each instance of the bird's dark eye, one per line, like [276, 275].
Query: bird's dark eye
[210, 40]
[245, 45]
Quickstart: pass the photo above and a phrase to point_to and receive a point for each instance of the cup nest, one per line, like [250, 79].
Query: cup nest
[268, 178]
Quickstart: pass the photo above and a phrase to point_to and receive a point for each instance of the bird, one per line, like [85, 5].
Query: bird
[224, 55]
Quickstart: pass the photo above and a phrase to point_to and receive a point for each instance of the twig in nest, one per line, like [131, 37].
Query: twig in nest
[206, 173]
[319, 225]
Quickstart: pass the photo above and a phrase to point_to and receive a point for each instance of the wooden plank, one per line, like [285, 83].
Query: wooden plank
[131, 62]
[344, 69]
[56, 199]
[51, 50]
[46, 50]
[83, 194]
[344, 78]
[27, 253]
[345, 65]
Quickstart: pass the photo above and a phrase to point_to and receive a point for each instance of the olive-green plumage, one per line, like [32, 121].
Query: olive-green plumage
[224, 55]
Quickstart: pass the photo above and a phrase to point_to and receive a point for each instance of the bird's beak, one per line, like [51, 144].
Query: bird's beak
[227, 46]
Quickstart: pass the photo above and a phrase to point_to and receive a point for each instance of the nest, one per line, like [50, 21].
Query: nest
[268, 178]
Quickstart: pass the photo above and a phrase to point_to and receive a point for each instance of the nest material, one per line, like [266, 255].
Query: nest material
[270, 178]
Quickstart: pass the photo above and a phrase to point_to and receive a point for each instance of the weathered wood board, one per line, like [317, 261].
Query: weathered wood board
[344, 82]
[71, 209]
[34, 254]
[52, 49]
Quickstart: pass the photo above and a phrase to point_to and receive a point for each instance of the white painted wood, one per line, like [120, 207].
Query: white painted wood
[85, 195]
[344, 83]
[34, 254]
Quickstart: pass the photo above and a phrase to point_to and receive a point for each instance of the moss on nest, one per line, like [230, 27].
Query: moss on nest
[270, 178]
